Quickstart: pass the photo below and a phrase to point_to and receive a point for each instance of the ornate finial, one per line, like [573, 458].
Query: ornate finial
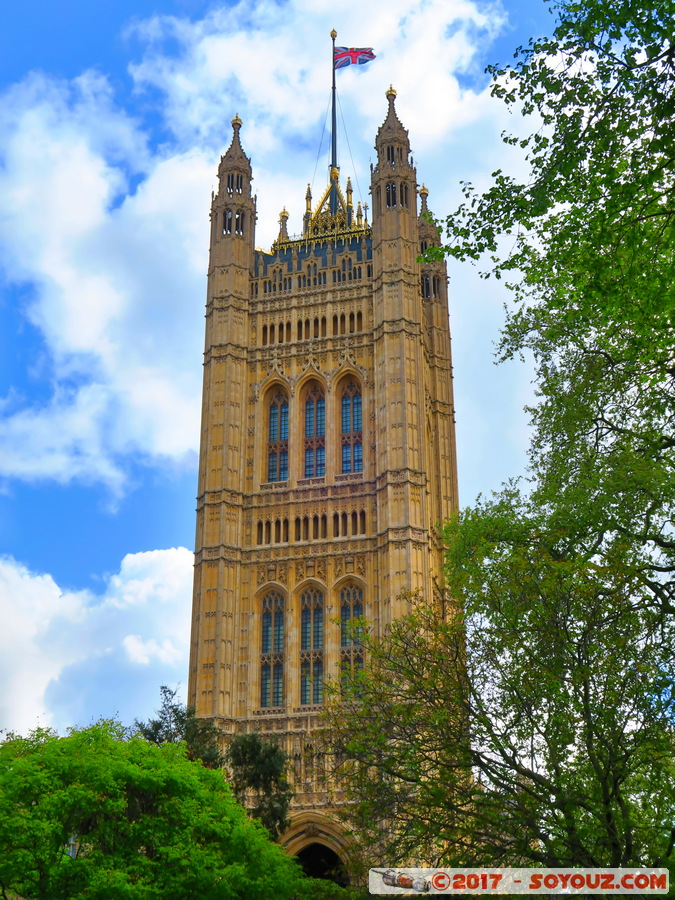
[236, 122]
[424, 193]
[283, 223]
[390, 94]
[333, 34]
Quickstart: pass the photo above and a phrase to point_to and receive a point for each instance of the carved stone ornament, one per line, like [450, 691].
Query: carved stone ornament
[347, 358]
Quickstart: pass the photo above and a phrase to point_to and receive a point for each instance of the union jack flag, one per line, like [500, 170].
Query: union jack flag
[348, 56]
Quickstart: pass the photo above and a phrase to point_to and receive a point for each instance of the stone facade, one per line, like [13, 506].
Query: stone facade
[327, 450]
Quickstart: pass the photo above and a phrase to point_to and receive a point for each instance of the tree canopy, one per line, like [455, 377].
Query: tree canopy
[258, 774]
[94, 815]
[527, 715]
[176, 722]
[589, 236]
[257, 767]
[533, 726]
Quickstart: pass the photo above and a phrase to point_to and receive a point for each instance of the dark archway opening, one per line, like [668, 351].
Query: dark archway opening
[318, 861]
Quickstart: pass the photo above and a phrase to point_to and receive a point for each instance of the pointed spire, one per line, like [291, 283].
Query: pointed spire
[307, 218]
[393, 134]
[430, 232]
[235, 160]
[283, 225]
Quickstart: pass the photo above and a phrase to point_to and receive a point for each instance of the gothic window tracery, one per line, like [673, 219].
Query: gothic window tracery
[315, 433]
[351, 632]
[351, 439]
[272, 651]
[277, 437]
[311, 647]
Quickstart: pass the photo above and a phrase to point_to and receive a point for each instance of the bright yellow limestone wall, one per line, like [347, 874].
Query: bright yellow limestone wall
[343, 309]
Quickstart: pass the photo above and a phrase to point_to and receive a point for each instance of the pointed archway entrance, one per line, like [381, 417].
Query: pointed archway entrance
[319, 846]
[319, 861]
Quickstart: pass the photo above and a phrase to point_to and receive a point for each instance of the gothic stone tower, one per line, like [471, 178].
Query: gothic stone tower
[327, 451]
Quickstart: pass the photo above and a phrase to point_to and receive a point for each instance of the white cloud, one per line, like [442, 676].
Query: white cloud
[67, 657]
[118, 280]
[111, 230]
[275, 60]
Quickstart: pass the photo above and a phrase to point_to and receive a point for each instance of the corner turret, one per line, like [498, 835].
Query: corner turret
[393, 182]
[392, 143]
[433, 275]
[233, 209]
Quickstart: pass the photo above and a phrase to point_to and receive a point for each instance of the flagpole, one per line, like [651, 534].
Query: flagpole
[333, 149]
[333, 157]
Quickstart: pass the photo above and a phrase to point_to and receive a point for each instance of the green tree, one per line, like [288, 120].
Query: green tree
[534, 727]
[589, 236]
[93, 815]
[258, 778]
[177, 722]
[534, 719]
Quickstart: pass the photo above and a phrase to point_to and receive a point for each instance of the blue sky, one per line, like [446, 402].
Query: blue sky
[113, 116]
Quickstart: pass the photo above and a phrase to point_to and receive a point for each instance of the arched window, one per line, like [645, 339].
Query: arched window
[351, 429]
[272, 651]
[315, 433]
[351, 633]
[311, 647]
[277, 441]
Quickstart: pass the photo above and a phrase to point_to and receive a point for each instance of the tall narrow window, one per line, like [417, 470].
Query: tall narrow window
[272, 651]
[311, 647]
[277, 439]
[351, 429]
[351, 633]
[315, 434]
